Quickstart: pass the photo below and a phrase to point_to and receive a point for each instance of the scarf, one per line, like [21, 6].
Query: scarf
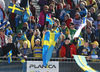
[94, 51]
[2, 41]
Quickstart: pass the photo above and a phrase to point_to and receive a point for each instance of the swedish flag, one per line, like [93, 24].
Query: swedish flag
[27, 13]
[28, 9]
[50, 40]
[81, 61]
[49, 20]
[15, 9]
[9, 54]
[22, 59]
[23, 62]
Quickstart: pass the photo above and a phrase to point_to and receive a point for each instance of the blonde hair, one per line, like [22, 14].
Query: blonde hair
[85, 3]
[56, 20]
[93, 8]
[25, 42]
[89, 22]
[53, 7]
[46, 6]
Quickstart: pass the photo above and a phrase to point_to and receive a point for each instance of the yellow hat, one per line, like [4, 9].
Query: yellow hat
[25, 42]
[95, 42]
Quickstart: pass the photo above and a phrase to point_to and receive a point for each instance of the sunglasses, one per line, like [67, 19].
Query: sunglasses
[37, 41]
[19, 34]
[45, 9]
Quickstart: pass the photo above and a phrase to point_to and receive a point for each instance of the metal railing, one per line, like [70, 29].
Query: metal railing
[16, 59]
[69, 65]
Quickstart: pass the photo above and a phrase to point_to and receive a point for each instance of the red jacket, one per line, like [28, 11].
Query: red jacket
[68, 22]
[72, 50]
[70, 3]
[42, 18]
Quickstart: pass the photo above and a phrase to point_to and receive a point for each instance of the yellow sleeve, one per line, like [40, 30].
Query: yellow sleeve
[95, 6]
[43, 40]
[32, 41]
[28, 43]
[87, 1]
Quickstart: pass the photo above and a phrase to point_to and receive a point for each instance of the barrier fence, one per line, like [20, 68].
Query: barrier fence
[69, 65]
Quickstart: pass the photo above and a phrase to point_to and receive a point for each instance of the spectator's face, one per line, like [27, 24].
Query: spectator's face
[31, 2]
[76, 16]
[37, 42]
[24, 45]
[10, 40]
[66, 17]
[77, 11]
[31, 30]
[1, 33]
[49, 26]
[63, 26]
[51, 7]
[55, 23]
[62, 38]
[91, 10]
[37, 33]
[52, 2]
[82, 5]
[88, 30]
[98, 27]
[45, 10]
[88, 15]
[88, 24]
[71, 26]
[60, 6]
[94, 46]
[14, 1]
[68, 7]
[98, 17]
[24, 25]
[86, 44]
[67, 42]
[19, 35]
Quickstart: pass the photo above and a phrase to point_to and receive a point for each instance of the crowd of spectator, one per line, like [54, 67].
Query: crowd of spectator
[27, 37]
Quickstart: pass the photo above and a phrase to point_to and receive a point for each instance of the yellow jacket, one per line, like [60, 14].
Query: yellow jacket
[32, 41]
[88, 3]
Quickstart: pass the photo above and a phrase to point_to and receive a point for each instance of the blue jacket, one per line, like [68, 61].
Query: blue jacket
[83, 12]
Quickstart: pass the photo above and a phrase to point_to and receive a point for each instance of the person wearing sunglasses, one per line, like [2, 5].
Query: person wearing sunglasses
[72, 31]
[77, 20]
[17, 37]
[83, 11]
[37, 45]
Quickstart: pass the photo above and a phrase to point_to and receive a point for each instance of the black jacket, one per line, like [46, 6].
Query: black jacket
[8, 47]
